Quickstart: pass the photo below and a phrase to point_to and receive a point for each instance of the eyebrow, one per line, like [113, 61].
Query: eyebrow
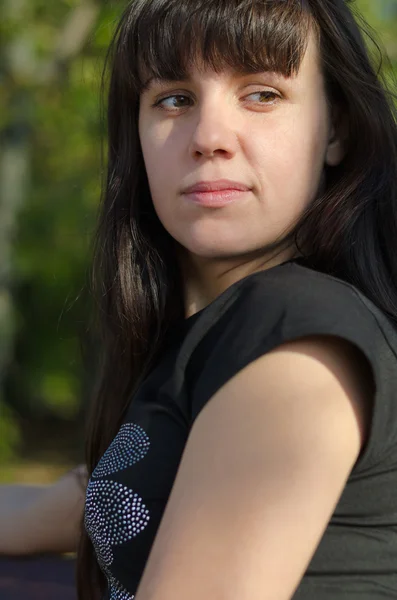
[163, 80]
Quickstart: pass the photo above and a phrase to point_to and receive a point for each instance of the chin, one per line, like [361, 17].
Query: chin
[218, 251]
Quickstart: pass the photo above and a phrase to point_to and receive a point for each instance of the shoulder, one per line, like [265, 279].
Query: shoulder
[272, 310]
[298, 288]
[296, 301]
[284, 304]
[316, 376]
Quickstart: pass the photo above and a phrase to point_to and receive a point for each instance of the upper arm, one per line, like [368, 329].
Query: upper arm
[264, 466]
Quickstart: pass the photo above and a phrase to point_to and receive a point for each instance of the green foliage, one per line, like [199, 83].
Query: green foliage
[51, 249]
[9, 435]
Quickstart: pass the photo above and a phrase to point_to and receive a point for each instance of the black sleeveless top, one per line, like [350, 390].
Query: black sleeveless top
[129, 489]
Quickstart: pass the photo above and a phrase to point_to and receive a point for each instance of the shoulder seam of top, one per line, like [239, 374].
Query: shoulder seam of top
[361, 297]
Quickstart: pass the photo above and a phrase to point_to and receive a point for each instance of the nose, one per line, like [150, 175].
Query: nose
[213, 133]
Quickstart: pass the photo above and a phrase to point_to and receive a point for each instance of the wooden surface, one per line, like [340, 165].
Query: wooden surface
[38, 578]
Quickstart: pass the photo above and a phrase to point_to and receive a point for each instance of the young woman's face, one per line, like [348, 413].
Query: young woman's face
[270, 133]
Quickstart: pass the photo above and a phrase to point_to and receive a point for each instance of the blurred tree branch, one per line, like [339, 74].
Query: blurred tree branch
[76, 31]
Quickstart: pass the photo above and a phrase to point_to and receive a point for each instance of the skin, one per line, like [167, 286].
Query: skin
[227, 125]
[46, 518]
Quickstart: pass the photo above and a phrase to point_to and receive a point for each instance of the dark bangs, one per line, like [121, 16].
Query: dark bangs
[165, 38]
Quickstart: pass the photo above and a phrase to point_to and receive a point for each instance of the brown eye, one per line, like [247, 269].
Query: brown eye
[266, 97]
[173, 102]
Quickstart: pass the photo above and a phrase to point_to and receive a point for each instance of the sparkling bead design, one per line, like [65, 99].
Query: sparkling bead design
[117, 591]
[129, 446]
[114, 514]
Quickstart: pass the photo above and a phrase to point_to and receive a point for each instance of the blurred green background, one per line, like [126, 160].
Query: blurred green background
[51, 58]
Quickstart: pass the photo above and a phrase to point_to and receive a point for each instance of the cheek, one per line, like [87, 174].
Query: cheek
[152, 144]
[163, 172]
[158, 159]
[290, 158]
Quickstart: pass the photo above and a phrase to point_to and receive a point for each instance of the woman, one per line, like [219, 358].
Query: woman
[246, 268]
[242, 438]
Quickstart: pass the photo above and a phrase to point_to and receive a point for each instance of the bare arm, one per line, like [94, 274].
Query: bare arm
[261, 474]
[35, 519]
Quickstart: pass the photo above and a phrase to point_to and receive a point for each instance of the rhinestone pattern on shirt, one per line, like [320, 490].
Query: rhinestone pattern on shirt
[114, 513]
[129, 446]
[117, 592]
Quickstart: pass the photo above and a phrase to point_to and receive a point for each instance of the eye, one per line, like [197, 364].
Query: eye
[172, 103]
[266, 97]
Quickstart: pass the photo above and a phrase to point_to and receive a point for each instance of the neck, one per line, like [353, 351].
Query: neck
[205, 279]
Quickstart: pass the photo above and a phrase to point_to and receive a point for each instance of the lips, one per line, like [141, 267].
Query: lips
[216, 186]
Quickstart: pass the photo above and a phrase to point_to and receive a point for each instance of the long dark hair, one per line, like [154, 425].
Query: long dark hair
[348, 231]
